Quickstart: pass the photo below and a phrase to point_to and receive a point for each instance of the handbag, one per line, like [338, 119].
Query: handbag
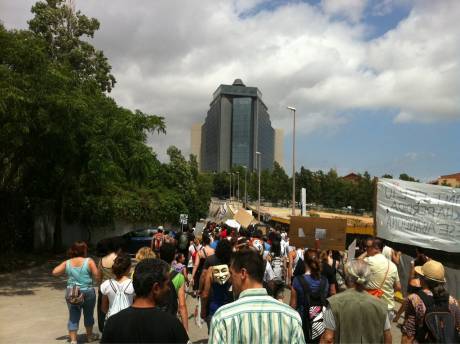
[379, 292]
[74, 296]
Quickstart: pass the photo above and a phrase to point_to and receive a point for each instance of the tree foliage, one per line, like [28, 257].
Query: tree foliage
[67, 147]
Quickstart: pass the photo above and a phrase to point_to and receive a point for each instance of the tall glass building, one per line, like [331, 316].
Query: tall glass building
[236, 127]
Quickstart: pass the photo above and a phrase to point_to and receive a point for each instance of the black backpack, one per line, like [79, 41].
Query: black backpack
[171, 305]
[312, 328]
[438, 324]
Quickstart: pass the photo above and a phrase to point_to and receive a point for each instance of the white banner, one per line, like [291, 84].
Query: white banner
[418, 214]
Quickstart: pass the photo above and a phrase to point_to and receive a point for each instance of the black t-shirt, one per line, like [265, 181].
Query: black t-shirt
[328, 272]
[143, 325]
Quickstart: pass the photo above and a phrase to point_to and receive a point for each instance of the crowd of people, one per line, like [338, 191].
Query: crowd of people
[239, 279]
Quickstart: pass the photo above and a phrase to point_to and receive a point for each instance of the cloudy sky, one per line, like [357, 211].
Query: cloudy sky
[376, 83]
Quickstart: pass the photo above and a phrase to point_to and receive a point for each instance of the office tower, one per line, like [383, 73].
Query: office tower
[236, 127]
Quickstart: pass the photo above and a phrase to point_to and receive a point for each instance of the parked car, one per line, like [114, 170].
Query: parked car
[132, 241]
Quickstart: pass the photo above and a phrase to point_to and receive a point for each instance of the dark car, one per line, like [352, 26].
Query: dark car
[132, 241]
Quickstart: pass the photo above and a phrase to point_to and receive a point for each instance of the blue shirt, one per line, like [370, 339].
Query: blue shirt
[312, 283]
[80, 276]
[214, 244]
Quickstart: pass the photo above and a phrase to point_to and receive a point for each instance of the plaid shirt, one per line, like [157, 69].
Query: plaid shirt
[256, 318]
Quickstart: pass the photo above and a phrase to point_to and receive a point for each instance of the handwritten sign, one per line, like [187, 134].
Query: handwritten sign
[418, 214]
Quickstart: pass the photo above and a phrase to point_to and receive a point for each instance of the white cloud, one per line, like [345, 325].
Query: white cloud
[169, 57]
[350, 9]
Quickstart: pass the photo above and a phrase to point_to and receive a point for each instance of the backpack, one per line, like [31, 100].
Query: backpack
[312, 310]
[183, 241]
[438, 324]
[120, 301]
[171, 305]
[278, 268]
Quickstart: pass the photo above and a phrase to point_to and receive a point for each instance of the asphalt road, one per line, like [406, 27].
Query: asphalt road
[33, 310]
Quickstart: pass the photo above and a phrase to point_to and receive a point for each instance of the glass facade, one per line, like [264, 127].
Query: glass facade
[241, 131]
[236, 126]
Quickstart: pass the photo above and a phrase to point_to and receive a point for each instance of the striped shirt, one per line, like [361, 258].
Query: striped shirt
[256, 318]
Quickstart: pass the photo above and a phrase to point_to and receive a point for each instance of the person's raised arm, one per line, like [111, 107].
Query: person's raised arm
[60, 269]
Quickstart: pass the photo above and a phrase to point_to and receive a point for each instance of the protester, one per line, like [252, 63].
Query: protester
[328, 271]
[157, 240]
[308, 297]
[193, 249]
[200, 259]
[80, 294]
[167, 253]
[432, 305]
[414, 284]
[107, 248]
[144, 253]
[338, 266]
[278, 265]
[391, 255]
[216, 284]
[178, 264]
[354, 316]
[384, 278]
[118, 292]
[252, 318]
[144, 321]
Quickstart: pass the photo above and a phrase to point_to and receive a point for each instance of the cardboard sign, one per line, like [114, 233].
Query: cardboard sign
[303, 231]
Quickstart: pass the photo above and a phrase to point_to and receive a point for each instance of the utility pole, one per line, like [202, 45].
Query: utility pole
[293, 160]
[245, 186]
[259, 154]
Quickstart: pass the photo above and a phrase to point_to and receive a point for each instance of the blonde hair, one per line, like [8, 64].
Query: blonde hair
[145, 252]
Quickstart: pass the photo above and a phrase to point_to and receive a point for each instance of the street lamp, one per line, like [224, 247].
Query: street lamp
[245, 188]
[238, 189]
[293, 160]
[259, 154]
[230, 175]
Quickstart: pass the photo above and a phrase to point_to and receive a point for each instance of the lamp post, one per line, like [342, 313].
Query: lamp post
[238, 188]
[245, 188]
[259, 154]
[293, 160]
[230, 190]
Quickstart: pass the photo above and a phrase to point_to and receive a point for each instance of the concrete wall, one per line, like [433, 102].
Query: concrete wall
[71, 232]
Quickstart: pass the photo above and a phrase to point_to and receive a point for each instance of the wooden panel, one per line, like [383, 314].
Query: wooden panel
[335, 236]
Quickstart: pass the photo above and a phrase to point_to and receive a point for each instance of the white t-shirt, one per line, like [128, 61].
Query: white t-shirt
[379, 265]
[126, 285]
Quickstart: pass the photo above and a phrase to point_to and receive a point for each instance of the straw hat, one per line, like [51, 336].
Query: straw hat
[432, 270]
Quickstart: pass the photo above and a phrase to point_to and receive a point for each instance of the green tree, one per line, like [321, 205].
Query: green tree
[406, 177]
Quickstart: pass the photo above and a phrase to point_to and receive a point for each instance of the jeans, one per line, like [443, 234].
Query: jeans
[88, 311]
